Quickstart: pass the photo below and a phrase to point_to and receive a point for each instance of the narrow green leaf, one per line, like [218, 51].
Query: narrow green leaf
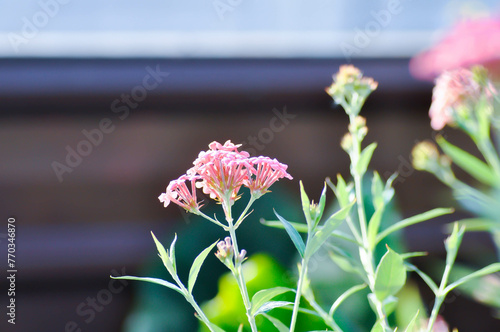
[164, 255]
[277, 323]
[325, 232]
[344, 260]
[413, 220]
[263, 296]
[477, 225]
[306, 205]
[452, 244]
[301, 228]
[492, 268]
[374, 225]
[365, 157]
[172, 253]
[271, 305]
[341, 190]
[195, 268]
[153, 281]
[321, 206]
[432, 285]
[472, 165]
[344, 296]
[407, 255]
[411, 324]
[377, 190]
[390, 275]
[294, 235]
[212, 326]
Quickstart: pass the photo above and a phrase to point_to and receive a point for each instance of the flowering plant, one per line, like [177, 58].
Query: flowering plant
[222, 171]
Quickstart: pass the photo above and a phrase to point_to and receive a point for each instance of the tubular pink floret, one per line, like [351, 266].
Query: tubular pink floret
[266, 172]
[220, 172]
[178, 193]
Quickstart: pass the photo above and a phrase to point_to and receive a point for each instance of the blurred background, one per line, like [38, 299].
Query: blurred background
[102, 104]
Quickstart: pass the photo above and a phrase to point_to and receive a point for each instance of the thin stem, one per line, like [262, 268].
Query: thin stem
[189, 297]
[238, 273]
[440, 296]
[298, 295]
[365, 253]
[326, 318]
[243, 214]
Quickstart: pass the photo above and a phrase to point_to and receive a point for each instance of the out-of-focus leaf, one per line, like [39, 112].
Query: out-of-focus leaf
[390, 275]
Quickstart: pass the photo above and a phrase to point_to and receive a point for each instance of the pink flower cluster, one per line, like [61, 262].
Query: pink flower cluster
[453, 89]
[220, 172]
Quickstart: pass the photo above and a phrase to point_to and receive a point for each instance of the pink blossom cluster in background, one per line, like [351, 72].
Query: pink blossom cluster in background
[220, 172]
[471, 42]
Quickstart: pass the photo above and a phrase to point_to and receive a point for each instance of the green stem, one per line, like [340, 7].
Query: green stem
[298, 295]
[243, 214]
[189, 297]
[365, 253]
[440, 296]
[326, 318]
[238, 272]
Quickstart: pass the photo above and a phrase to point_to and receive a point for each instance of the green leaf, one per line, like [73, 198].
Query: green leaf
[413, 220]
[452, 244]
[390, 275]
[271, 305]
[341, 190]
[164, 255]
[306, 205]
[365, 157]
[195, 268]
[325, 232]
[294, 235]
[428, 280]
[172, 253]
[472, 165]
[377, 190]
[344, 296]
[377, 327]
[344, 260]
[302, 228]
[411, 324]
[374, 225]
[153, 281]
[277, 323]
[263, 296]
[212, 326]
[477, 225]
[492, 268]
[321, 206]
[299, 227]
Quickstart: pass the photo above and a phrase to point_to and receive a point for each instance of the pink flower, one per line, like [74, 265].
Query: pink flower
[453, 89]
[222, 170]
[266, 172]
[178, 193]
[469, 43]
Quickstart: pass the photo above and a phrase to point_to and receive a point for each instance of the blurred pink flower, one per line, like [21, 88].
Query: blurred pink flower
[454, 89]
[468, 43]
[178, 193]
[266, 171]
